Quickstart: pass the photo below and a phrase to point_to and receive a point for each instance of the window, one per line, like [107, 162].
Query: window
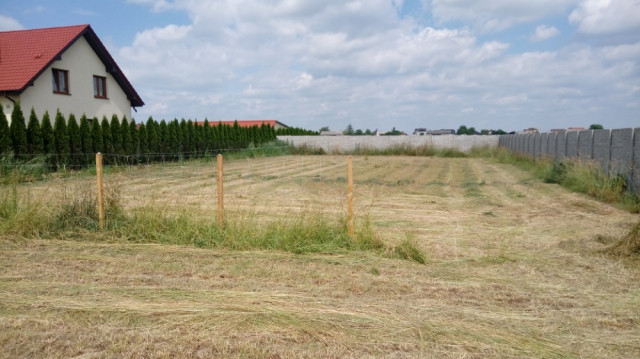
[99, 87]
[60, 81]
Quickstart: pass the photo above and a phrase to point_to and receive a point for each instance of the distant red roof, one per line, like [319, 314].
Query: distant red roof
[271, 123]
[26, 54]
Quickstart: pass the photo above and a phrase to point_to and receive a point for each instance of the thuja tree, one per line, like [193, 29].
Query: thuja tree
[48, 139]
[107, 143]
[127, 141]
[96, 136]
[86, 141]
[74, 140]
[34, 134]
[135, 139]
[153, 140]
[18, 131]
[5, 136]
[143, 139]
[163, 136]
[116, 135]
[61, 136]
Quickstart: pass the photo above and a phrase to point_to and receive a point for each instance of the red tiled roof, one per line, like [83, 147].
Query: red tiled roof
[25, 54]
[271, 123]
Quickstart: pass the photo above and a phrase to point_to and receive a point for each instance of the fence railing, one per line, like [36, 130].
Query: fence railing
[617, 151]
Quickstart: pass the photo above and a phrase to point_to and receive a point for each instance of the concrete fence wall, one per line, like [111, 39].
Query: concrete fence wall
[617, 152]
[350, 143]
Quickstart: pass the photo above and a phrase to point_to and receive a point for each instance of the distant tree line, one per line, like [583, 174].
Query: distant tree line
[73, 142]
[464, 130]
[295, 131]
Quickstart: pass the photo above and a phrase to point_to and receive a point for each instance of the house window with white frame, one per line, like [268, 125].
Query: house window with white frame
[60, 81]
[99, 87]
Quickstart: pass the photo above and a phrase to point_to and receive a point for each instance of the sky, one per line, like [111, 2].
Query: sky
[374, 64]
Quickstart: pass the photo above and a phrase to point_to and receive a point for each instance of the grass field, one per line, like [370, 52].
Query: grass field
[513, 268]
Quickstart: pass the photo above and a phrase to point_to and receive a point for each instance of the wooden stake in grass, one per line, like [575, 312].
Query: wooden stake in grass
[101, 215]
[350, 196]
[220, 194]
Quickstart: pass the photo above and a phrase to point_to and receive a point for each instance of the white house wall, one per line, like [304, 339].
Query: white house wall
[82, 64]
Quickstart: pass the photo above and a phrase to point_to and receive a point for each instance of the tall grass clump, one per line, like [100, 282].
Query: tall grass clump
[628, 245]
[298, 233]
[22, 217]
[75, 216]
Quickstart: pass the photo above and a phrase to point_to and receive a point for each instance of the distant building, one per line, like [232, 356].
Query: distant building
[273, 123]
[441, 132]
[62, 68]
[424, 131]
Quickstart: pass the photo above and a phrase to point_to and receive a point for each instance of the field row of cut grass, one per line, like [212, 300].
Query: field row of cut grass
[513, 268]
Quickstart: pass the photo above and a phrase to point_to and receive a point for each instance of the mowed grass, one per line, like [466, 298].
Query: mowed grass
[514, 268]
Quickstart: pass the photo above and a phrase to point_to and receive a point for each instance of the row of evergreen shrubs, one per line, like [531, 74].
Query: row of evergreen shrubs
[71, 143]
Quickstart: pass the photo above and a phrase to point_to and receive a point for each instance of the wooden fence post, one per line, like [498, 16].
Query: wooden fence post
[220, 194]
[350, 197]
[101, 215]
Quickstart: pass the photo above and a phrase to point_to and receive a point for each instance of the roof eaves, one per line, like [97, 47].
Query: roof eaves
[112, 67]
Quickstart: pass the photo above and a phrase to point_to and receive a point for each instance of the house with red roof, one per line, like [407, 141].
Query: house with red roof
[66, 68]
[248, 123]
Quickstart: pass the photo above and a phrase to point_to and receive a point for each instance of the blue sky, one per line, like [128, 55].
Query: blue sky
[374, 64]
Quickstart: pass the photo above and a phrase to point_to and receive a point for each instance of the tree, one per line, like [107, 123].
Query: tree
[96, 136]
[348, 131]
[48, 140]
[153, 141]
[18, 131]
[462, 130]
[74, 139]
[163, 136]
[34, 134]
[596, 126]
[324, 129]
[5, 135]
[393, 132]
[127, 141]
[471, 131]
[86, 141]
[135, 138]
[107, 140]
[143, 139]
[116, 135]
[61, 136]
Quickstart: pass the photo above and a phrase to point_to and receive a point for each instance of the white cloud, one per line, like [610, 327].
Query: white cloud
[8, 23]
[544, 32]
[607, 16]
[312, 64]
[497, 15]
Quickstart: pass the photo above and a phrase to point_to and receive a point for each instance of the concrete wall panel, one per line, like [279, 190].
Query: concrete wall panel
[602, 148]
[552, 145]
[635, 179]
[585, 145]
[544, 145]
[561, 145]
[537, 143]
[621, 151]
[572, 144]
